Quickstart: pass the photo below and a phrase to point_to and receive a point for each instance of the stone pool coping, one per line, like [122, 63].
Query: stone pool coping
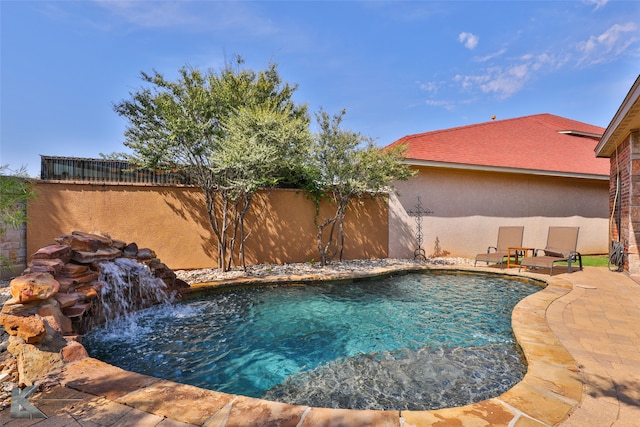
[549, 392]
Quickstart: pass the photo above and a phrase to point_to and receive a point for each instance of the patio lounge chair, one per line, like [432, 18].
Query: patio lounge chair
[508, 237]
[561, 246]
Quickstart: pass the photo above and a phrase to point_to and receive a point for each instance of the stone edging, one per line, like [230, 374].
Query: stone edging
[549, 392]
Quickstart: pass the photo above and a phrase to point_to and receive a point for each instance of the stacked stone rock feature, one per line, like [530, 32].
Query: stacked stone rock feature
[58, 292]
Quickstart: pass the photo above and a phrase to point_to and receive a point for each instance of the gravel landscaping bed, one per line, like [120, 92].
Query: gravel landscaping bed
[350, 266]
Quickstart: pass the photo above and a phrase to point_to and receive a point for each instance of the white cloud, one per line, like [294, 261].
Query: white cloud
[510, 76]
[468, 82]
[503, 76]
[155, 15]
[490, 56]
[447, 105]
[238, 16]
[501, 81]
[430, 86]
[598, 3]
[545, 61]
[608, 45]
[505, 83]
[469, 40]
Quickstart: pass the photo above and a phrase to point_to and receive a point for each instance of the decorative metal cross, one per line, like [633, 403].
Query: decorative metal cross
[418, 213]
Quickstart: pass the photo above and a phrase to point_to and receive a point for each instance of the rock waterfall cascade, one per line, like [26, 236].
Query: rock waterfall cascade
[82, 280]
[128, 286]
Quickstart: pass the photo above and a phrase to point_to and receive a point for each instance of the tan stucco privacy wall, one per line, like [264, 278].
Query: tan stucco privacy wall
[173, 222]
[469, 206]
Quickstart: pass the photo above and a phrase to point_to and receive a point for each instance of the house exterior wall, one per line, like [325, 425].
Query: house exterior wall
[469, 206]
[619, 195]
[173, 222]
[625, 163]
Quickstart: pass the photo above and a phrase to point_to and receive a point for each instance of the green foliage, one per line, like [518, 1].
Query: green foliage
[234, 131]
[592, 261]
[183, 122]
[349, 166]
[237, 131]
[15, 192]
[595, 260]
[263, 147]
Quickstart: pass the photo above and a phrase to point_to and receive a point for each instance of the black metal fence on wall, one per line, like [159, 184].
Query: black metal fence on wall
[105, 170]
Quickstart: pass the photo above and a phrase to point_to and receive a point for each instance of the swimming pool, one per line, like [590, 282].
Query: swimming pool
[419, 341]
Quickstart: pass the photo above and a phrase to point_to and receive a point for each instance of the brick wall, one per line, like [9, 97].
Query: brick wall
[632, 231]
[619, 197]
[625, 181]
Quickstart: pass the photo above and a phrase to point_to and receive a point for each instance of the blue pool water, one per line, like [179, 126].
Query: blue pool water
[419, 341]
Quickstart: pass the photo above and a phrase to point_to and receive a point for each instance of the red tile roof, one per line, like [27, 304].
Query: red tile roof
[541, 142]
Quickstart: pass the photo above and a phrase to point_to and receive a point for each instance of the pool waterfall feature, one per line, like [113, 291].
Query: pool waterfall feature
[127, 287]
[69, 287]
[83, 313]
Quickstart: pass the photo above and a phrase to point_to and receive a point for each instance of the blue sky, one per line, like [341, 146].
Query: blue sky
[398, 68]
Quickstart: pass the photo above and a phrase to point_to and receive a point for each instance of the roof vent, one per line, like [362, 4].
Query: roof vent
[581, 134]
[493, 118]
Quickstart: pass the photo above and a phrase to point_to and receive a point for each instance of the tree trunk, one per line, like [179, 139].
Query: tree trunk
[322, 248]
[218, 229]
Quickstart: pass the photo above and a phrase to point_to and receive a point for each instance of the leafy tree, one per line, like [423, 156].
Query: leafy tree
[350, 166]
[234, 132]
[262, 148]
[15, 192]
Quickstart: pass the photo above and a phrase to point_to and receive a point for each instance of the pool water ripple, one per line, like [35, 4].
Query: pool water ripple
[419, 341]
